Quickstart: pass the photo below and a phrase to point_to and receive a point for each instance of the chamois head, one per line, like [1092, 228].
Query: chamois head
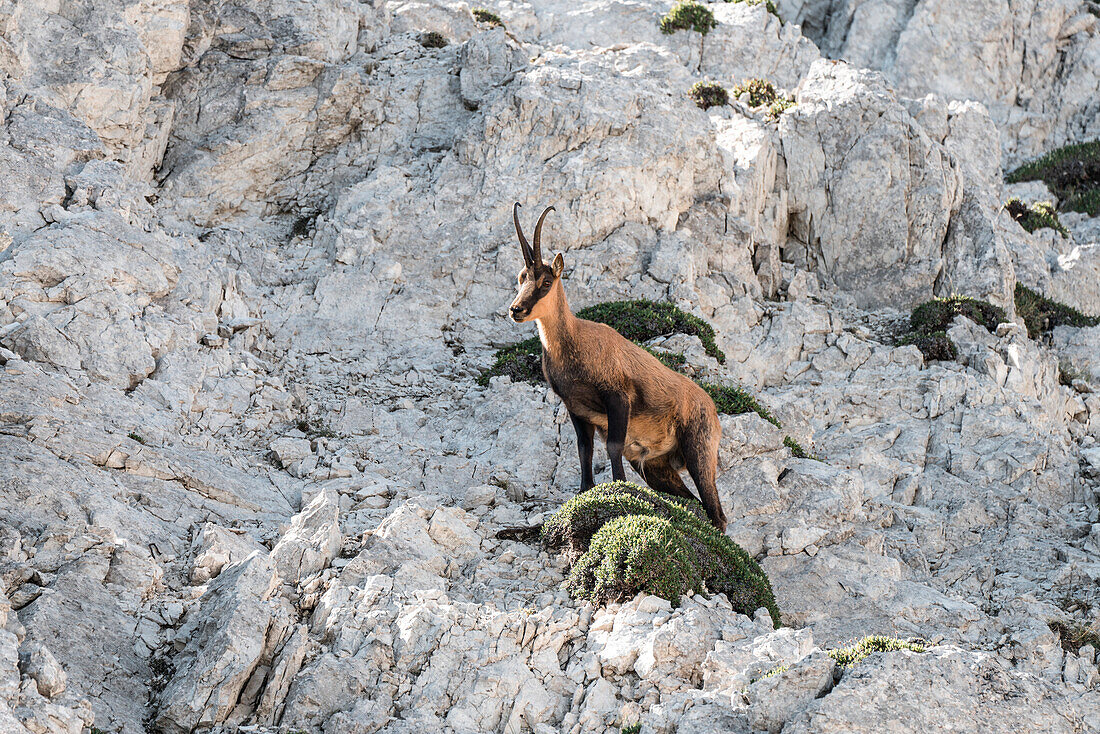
[537, 279]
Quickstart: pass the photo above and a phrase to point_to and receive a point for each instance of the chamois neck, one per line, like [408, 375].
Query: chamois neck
[556, 323]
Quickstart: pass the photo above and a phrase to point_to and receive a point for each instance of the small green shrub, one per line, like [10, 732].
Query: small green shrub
[1068, 373]
[735, 401]
[1036, 216]
[1074, 635]
[316, 428]
[937, 314]
[521, 361]
[796, 449]
[622, 539]
[688, 16]
[641, 320]
[936, 346]
[846, 657]
[761, 92]
[708, 94]
[780, 105]
[433, 39]
[1072, 173]
[634, 728]
[488, 17]
[767, 3]
[135, 437]
[777, 670]
[675, 361]
[1041, 314]
[929, 321]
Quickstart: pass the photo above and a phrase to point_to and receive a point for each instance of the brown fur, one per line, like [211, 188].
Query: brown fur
[657, 419]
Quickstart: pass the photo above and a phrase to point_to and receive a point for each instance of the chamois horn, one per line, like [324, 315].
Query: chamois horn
[538, 234]
[528, 258]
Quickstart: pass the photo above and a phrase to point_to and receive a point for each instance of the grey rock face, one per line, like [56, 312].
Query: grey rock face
[847, 141]
[255, 254]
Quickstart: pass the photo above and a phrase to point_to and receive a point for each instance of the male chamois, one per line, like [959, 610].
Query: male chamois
[659, 420]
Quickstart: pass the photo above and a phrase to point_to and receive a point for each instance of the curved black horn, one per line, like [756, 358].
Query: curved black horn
[538, 234]
[523, 244]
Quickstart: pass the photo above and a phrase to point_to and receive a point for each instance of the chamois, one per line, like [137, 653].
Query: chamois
[658, 419]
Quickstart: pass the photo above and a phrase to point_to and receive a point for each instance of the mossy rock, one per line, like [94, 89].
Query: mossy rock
[1041, 314]
[623, 539]
[1072, 173]
[847, 657]
[521, 361]
[688, 16]
[1037, 216]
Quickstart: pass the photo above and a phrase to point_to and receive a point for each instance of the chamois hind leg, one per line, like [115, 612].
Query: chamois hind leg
[699, 447]
[660, 475]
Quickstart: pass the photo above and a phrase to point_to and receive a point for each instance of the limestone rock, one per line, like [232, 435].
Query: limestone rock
[235, 625]
[868, 219]
[36, 661]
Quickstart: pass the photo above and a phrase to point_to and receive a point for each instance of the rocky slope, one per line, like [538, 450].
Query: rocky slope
[254, 255]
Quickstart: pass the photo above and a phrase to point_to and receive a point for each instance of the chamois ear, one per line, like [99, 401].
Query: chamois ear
[558, 265]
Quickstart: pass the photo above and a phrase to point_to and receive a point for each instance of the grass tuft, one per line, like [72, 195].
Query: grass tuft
[1042, 314]
[634, 728]
[779, 106]
[763, 93]
[1036, 216]
[1072, 173]
[1074, 635]
[622, 539]
[136, 437]
[688, 16]
[708, 94]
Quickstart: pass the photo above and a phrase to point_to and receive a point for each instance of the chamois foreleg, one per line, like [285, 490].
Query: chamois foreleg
[699, 447]
[584, 431]
[618, 413]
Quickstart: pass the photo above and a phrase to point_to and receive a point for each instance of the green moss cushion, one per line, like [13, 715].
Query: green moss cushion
[622, 539]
